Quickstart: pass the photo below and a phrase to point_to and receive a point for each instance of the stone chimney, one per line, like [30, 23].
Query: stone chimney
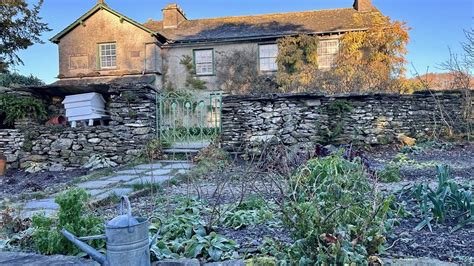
[363, 5]
[172, 16]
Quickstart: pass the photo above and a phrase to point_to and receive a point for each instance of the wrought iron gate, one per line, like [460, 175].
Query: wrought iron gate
[185, 117]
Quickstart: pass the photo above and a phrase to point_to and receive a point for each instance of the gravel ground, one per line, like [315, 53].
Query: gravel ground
[404, 241]
[20, 182]
[460, 157]
[31, 259]
[441, 243]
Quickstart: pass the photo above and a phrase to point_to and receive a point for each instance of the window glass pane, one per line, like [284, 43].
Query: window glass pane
[203, 60]
[268, 54]
[270, 50]
[327, 52]
[108, 57]
[268, 64]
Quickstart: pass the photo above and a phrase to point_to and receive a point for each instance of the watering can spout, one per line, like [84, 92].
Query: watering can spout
[95, 255]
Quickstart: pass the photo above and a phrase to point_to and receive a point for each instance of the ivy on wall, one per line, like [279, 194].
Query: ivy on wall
[191, 81]
[336, 111]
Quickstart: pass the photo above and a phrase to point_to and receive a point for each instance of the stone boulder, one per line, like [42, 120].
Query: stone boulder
[61, 144]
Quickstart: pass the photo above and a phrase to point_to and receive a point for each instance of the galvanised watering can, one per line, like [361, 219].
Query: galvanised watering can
[127, 239]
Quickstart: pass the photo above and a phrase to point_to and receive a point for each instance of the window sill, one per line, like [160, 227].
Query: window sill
[324, 68]
[268, 72]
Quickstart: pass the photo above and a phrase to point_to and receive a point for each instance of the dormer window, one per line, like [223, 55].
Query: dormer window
[108, 55]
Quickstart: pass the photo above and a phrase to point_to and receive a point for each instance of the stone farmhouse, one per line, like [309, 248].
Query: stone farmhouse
[111, 73]
[105, 45]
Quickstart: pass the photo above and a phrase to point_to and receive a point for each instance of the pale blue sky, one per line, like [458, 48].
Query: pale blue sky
[436, 24]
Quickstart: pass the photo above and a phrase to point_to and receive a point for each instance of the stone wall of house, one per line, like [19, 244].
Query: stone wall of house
[78, 50]
[132, 125]
[176, 72]
[357, 119]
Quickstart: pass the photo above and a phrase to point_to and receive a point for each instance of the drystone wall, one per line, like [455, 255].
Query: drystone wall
[59, 147]
[133, 106]
[11, 143]
[132, 125]
[357, 119]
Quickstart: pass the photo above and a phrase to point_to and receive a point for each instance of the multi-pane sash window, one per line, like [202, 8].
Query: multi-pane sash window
[204, 62]
[327, 52]
[268, 54]
[108, 55]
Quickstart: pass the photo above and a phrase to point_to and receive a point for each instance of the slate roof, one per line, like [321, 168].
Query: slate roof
[262, 26]
[119, 81]
[93, 84]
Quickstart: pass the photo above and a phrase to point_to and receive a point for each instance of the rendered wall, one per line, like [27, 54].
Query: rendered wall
[78, 50]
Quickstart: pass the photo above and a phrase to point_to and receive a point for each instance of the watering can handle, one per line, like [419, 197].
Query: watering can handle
[126, 201]
[155, 237]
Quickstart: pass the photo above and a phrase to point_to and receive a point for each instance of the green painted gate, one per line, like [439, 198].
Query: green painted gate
[188, 118]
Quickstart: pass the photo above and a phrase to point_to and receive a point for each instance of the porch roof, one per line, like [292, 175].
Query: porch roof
[97, 84]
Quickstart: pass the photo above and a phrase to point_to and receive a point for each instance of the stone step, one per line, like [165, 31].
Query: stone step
[42, 204]
[187, 165]
[191, 145]
[181, 151]
[149, 180]
[173, 161]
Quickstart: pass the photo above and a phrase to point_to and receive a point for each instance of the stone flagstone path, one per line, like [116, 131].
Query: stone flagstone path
[119, 183]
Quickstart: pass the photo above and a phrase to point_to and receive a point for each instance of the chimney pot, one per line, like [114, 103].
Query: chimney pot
[173, 14]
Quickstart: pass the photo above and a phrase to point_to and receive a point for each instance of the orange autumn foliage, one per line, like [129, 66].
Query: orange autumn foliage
[371, 60]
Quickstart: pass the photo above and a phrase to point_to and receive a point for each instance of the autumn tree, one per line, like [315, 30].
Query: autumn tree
[409, 86]
[373, 60]
[370, 60]
[297, 62]
[238, 73]
[20, 27]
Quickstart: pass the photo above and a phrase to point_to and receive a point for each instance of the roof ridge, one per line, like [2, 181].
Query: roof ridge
[92, 11]
[261, 15]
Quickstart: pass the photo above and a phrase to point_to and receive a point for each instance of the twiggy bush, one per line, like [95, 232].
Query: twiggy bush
[336, 214]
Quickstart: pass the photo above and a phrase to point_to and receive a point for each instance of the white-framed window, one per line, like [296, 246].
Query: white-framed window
[108, 55]
[204, 61]
[268, 57]
[327, 52]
